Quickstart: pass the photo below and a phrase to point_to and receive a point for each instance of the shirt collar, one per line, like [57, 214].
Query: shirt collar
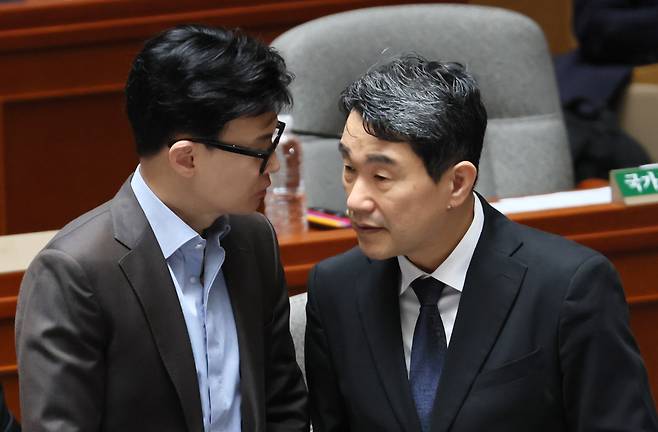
[170, 231]
[452, 271]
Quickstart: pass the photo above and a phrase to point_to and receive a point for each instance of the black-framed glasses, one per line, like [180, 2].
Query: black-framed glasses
[233, 148]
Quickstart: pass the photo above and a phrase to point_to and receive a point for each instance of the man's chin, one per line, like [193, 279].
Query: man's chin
[247, 208]
[374, 252]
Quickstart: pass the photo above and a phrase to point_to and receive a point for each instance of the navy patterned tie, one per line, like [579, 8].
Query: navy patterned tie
[428, 349]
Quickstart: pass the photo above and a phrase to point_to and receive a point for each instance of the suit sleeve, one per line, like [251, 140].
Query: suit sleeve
[605, 385]
[59, 347]
[326, 404]
[286, 395]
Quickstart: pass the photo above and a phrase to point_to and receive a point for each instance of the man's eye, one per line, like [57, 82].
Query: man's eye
[348, 169]
[380, 177]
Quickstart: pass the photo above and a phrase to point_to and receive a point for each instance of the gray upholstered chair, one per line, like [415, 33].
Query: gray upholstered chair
[526, 149]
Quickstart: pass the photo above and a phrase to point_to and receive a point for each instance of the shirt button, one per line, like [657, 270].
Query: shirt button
[193, 279]
[199, 245]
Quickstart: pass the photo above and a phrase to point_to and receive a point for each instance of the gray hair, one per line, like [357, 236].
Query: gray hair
[434, 106]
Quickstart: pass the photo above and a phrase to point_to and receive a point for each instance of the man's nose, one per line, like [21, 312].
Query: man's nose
[359, 199]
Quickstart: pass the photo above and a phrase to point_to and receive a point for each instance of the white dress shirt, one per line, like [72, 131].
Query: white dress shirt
[452, 272]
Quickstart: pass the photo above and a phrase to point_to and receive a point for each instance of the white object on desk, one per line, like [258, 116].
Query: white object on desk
[556, 200]
[18, 250]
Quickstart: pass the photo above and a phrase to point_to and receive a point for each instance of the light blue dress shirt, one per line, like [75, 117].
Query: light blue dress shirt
[195, 265]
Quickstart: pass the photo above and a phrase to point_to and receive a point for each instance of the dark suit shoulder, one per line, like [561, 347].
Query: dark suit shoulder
[332, 279]
[85, 234]
[531, 247]
[344, 264]
[254, 232]
[251, 224]
[553, 252]
[97, 215]
[550, 260]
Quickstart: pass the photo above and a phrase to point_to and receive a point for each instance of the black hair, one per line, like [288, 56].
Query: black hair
[193, 79]
[434, 106]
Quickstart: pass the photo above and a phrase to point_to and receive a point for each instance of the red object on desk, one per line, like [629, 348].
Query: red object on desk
[326, 219]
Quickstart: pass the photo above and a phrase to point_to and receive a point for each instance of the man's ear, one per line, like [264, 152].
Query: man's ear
[463, 178]
[181, 158]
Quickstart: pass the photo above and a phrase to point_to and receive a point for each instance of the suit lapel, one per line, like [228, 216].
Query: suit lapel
[379, 307]
[492, 284]
[148, 275]
[247, 312]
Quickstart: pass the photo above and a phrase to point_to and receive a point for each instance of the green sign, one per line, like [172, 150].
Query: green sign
[635, 184]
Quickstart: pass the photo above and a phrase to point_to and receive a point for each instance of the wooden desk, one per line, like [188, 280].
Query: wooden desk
[626, 235]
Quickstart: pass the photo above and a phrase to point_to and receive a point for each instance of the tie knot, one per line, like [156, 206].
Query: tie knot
[428, 290]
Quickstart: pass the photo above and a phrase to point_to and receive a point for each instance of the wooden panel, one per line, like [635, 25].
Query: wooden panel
[100, 21]
[553, 16]
[64, 69]
[8, 353]
[9, 283]
[9, 380]
[644, 323]
[39, 13]
[646, 74]
[3, 163]
[65, 145]
[67, 154]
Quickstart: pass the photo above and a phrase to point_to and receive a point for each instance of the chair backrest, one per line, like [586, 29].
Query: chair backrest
[637, 115]
[526, 149]
[298, 327]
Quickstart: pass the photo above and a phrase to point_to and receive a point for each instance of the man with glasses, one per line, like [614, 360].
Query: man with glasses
[166, 308]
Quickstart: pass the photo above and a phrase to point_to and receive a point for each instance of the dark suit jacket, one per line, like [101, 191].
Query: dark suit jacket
[541, 342]
[102, 343]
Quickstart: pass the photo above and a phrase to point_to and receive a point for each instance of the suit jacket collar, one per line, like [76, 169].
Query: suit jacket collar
[492, 284]
[147, 272]
[240, 280]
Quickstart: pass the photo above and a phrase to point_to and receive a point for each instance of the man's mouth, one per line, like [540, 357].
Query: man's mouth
[365, 228]
[263, 191]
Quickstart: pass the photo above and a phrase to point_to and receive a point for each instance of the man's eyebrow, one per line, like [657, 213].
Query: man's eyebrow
[380, 158]
[344, 151]
[371, 158]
